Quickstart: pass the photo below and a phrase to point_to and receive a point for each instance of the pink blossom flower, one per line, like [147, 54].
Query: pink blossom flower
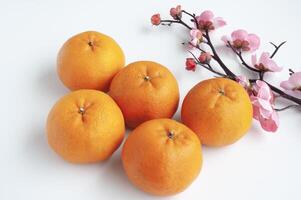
[241, 40]
[176, 12]
[190, 64]
[156, 19]
[262, 100]
[293, 85]
[207, 21]
[265, 63]
[196, 37]
[205, 57]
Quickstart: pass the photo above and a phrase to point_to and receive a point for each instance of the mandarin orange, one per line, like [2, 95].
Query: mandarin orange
[162, 156]
[218, 110]
[145, 90]
[85, 126]
[89, 60]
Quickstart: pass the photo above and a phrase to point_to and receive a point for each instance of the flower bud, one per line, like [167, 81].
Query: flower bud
[156, 19]
[190, 64]
[176, 12]
[205, 57]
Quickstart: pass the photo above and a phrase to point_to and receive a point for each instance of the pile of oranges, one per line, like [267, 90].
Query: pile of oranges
[160, 156]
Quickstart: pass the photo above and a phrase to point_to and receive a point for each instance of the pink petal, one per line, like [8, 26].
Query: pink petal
[265, 113]
[292, 84]
[254, 42]
[266, 105]
[264, 93]
[271, 124]
[265, 56]
[239, 35]
[269, 63]
[295, 78]
[178, 8]
[254, 59]
[194, 42]
[218, 22]
[256, 113]
[206, 16]
[274, 67]
[287, 85]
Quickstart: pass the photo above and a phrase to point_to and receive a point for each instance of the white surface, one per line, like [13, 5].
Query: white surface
[259, 166]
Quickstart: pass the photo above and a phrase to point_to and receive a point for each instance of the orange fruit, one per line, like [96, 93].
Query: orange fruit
[145, 90]
[162, 157]
[89, 60]
[85, 126]
[218, 110]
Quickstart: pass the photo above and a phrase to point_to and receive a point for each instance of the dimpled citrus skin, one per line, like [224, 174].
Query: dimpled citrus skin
[89, 60]
[218, 110]
[145, 90]
[162, 157]
[85, 126]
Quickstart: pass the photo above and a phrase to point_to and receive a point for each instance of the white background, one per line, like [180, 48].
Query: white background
[260, 166]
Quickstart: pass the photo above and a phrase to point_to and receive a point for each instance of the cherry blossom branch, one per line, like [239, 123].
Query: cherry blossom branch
[262, 93]
[229, 73]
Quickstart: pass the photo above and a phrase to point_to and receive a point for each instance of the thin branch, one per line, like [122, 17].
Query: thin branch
[197, 60]
[193, 17]
[198, 47]
[217, 58]
[179, 21]
[261, 75]
[286, 107]
[276, 48]
[208, 64]
[168, 22]
[209, 67]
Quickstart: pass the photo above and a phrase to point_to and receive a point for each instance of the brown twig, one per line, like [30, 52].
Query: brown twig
[277, 47]
[170, 22]
[193, 18]
[217, 58]
[287, 107]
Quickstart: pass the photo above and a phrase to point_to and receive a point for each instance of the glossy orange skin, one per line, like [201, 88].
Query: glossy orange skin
[218, 110]
[88, 136]
[145, 90]
[160, 164]
[89, 60]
